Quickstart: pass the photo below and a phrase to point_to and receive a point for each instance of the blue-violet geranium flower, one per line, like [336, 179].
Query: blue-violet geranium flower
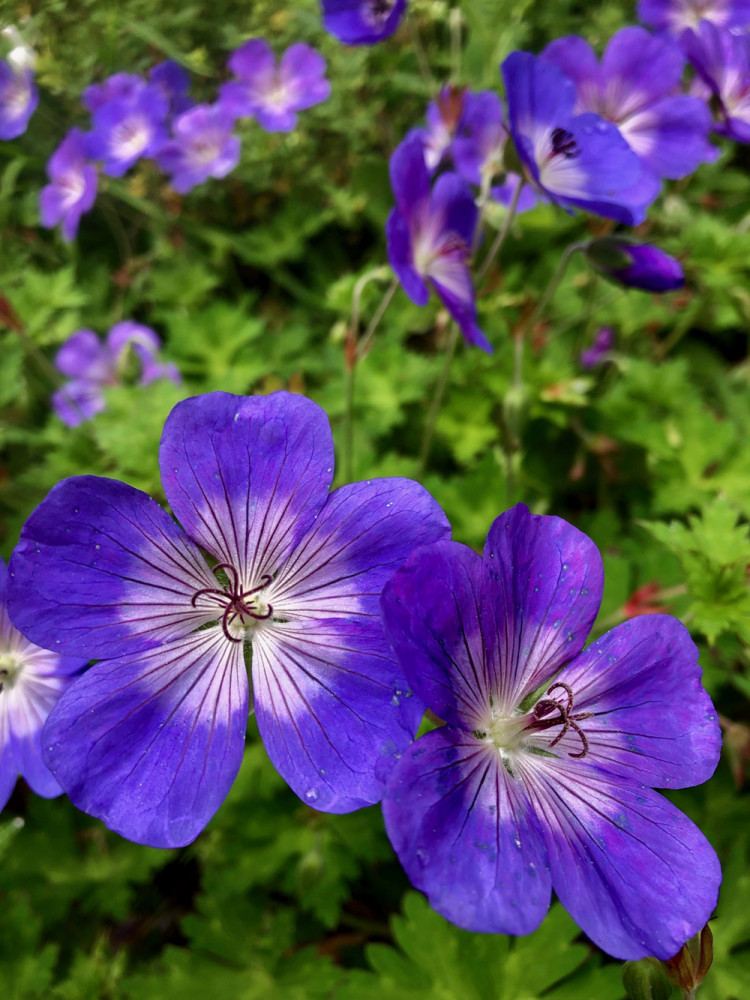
[362, 22]
[430, 235]
[542, 776]
[274, 94]
[722, 62]
[151, 738]
[72, 187]
[636, 265]
[674, 16]
[31, 681]
[125, 129]
[636, 87]
[92, 365]
[202, 146]
[18, 99]
[577, 160]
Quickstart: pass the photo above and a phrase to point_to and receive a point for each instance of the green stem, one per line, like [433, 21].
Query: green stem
[551, 288]
[437, 401]
[455, 19]
[422, 61]
[500, 238]
[353, 351]
[372, 326]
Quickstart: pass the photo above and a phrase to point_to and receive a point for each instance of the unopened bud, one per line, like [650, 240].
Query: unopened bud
[645, 980]
[687, 969]
[636, 265]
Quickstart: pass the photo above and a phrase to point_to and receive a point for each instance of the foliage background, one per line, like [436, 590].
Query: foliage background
[249, 283]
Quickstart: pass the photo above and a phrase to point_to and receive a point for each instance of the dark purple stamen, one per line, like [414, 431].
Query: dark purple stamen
[564, 143]
[380, 9]
[234, 599]
[563, 718]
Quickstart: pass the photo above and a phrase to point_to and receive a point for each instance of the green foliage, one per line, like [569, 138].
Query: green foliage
[249, 282]
[442, 962]
[714, 551]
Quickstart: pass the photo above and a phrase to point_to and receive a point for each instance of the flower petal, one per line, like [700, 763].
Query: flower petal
[331, 704]
[151, 744]
[634, 873]
[652, 721]
[439, 615]
[246, 476]
[362, 535]
[401, 259]
[550, 580]
[102, 570]
[410, 178]
[466, 835]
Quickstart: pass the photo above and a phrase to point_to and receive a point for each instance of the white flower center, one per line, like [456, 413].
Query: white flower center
[10, 670]
[131, 137]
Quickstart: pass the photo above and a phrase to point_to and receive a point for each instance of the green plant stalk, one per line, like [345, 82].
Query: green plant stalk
[437, 401]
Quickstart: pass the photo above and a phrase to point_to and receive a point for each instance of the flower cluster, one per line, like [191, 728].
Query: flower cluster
[91, 365]
[591, 135]
[360, 613]
[134, 118]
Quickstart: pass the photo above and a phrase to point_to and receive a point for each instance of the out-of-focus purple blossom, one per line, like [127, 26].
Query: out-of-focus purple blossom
[72, 190]
[636, 87]
[596, 355]
[274, 94]
[362, 22]
[91, 365]
[119, 86]
[128, 128]
[173, 81]
[579, 161]
[480, 139]
[18, 99]
[505, 193]
[722, 61]
[636, 265]
[443, 116]
[31, 681]
[430, 235]
[676, 15]
[202, 146]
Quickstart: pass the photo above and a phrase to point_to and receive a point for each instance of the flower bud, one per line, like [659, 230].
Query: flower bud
[687, 969]
[645, 980]
[636, 265]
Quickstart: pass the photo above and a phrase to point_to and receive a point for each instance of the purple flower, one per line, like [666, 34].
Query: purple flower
[443, 116]
[430, 234]
[542, 776]
[636, 87]
[18, 99]
[636, 265]
[203, 146]
[676, 15]
[274, 94]
[151, 738]
[72, 190]
[722, 62]
[362, 22]
[31, 681]
[480, 141]
[579, 161]
[93, 365]
[119, 86]
[174, 82]
[597, 354]
[128, 128]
